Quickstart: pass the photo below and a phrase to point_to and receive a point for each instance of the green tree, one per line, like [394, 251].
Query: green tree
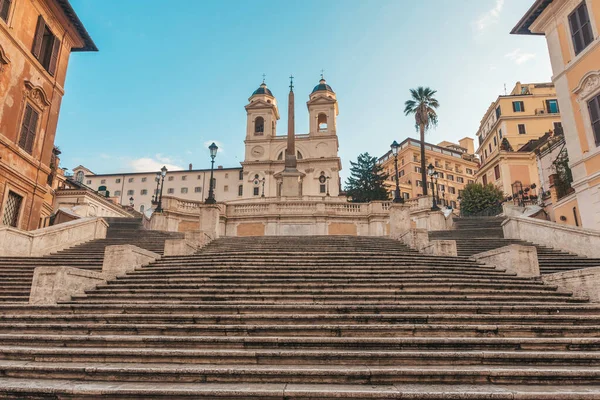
[367, 180]
[423, 105]
[477, 198]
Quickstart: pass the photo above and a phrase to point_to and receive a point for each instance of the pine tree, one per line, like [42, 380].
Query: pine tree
[367, 180]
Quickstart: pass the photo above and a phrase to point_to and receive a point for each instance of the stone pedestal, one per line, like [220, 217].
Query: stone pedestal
[121, 259]
[209, 220]
[514, 258]
[582, 282]
[53, 284]
[291, 183]
[399, 220]
[432, 220]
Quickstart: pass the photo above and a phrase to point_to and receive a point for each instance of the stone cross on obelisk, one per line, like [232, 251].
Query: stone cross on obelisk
[290, 178]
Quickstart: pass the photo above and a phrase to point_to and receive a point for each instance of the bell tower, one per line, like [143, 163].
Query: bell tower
[262, 114]
[323, 110]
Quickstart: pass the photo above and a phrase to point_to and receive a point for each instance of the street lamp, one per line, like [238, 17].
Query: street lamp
[155, 195]
[434, 176]
[211, 192]
[328, 178]
[163, 173]
[263, 180]
[397, 197]
[131, 201]
[436, 191]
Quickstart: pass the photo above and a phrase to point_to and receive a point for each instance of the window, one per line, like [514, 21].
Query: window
[102, 181]
[226, 188]
[240, 190]
[28, 129]
[500, 133]
[450, 177]
[581, 29]
[418, 169]
[142, 208]
[470, 181]
[518, 106]
[118, 180]
[130, 193]
[451, 190]
[226, 176]
[199, 177]
[484, 179]
[497, 172]
[460, 179]
[170, 191]
[442, 188]
[552, 106]
[171, 178]
[322, 122]
[88, 182]
[12, 209]
[144, 179]
[184, 178]
[498, 112]
[401, 173]
[259, 126]
[485, 152]
[469, 171]
[45, 46]
[419, 183]
[197, 189]
[594, 107]
[495, 141]
[522, 130]
[558, 127]
[441, 175]
[256, 190]
[117, 192]
[144, 192]
[490, 147]
[184, 190]
[130, 180]
[322, 188]
[4, 9]
[241, 176]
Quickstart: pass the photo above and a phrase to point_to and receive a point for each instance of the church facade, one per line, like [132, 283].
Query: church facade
[316, 153]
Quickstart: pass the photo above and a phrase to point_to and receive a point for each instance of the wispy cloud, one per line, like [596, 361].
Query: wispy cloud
[489, 17]
[519, 56]
[148, 164]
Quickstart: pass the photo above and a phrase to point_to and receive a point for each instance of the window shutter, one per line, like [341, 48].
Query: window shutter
[25, 127]
[39, 37]
[31, 133]
[54, 56]
[522, 106]
[514, 106]
[4, 8]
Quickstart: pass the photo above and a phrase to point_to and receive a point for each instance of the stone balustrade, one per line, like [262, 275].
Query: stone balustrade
[18, 243]
[584, 242]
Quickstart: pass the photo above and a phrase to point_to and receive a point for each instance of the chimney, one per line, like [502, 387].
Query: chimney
[220, 167]
[190, 166]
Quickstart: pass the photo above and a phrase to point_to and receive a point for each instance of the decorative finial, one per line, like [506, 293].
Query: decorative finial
[322, 74]
[291, 83]
[264, 76]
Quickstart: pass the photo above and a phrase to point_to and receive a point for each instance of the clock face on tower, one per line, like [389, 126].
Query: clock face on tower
[257, 151]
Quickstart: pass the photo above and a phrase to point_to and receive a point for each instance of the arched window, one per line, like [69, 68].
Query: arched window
[298, 155]
[79, 176]
[322, 122]
[142, 208]
[259, 126]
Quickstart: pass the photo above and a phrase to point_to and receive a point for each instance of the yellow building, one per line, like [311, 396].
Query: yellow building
[508, 131]
[571, 28]
[455, 164]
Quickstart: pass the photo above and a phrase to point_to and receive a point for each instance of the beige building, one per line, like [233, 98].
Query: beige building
[317, 154]
[455, 164]
[572, 31]
[508, 130]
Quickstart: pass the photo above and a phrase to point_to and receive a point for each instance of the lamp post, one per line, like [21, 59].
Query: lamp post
[328, 178]
[163, 173]
[433, 175]
[263, 180]
[155, 195]
[131, 202]
[211, 191]
[397, 197]
[436, 191]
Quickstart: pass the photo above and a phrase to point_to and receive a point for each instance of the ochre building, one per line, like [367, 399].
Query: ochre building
[455, 163]
[36, 40]
[508, 132]
[572, 31]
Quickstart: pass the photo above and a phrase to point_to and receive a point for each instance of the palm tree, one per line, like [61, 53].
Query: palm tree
[423, 106]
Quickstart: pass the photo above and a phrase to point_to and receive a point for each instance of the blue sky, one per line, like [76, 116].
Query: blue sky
[171, 77]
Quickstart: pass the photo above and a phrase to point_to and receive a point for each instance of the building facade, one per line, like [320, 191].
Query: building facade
[509, 128]
[36, 41]
[455, 164]
[571, 28]
[317, 158]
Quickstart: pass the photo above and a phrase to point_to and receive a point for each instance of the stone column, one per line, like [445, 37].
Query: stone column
[209, 220]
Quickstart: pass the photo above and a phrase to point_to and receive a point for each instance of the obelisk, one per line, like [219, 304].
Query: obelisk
[290, 177]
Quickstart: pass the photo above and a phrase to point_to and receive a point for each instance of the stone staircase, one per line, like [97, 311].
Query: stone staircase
[476, 235]
[17, 272]
[306, 318]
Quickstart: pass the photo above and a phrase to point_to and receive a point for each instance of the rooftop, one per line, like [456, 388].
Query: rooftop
[89, 44]
[523, 26]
